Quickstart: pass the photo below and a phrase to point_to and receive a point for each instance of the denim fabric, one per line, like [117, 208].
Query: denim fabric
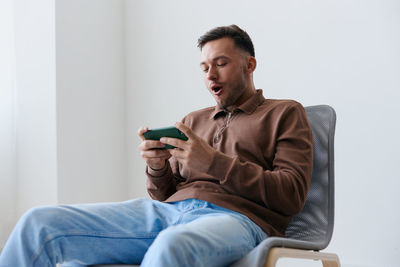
[185, 233]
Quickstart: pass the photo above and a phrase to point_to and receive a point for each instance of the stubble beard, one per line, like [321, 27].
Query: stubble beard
[234, 94]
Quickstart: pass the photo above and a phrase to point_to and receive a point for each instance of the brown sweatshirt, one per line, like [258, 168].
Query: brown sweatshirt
[262, 168]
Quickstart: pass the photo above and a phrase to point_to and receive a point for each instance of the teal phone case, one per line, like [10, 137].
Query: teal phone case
[156, 134]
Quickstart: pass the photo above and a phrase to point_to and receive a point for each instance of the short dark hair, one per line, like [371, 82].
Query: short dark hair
[240, 37]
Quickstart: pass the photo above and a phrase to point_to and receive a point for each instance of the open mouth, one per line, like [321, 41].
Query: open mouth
[217, 89]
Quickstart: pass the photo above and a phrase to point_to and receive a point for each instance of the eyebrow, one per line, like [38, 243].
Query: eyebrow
[215, 59]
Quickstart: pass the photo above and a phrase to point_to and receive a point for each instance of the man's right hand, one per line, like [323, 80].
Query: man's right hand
[155, 158]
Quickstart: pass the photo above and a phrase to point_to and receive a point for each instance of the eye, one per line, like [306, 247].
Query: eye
[221, 64]
[205, 70]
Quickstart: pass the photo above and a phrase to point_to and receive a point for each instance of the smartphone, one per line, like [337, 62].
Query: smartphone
[156, 134]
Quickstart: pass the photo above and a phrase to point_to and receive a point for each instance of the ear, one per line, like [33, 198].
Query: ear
[251, 64]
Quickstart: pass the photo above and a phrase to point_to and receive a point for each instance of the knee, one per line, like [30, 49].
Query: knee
[41, 218]
[174, 246]
[176, 239]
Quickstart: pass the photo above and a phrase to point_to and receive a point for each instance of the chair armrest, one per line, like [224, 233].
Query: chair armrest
[258, 256]
[328, 259]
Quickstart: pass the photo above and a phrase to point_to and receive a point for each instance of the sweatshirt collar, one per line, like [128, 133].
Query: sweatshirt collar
[247, 107]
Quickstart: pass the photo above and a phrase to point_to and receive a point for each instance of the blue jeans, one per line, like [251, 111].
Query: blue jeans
[142, 231]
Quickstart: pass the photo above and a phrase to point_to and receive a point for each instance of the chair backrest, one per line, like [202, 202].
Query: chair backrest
[315, 222]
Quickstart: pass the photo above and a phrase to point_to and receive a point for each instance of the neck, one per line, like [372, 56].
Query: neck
[247, 94]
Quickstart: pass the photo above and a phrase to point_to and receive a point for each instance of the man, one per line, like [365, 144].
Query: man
[240, 177]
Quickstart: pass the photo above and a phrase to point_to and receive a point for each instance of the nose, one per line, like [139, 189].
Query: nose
[212, 74]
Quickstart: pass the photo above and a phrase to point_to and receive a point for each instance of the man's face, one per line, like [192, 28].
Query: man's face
[224, 68]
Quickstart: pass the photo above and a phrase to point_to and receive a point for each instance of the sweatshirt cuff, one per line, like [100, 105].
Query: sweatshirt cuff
[220, 166]
[157, 173]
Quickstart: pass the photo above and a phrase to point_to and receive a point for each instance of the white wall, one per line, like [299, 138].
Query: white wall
[36, 121]
[7, 122]
[62, 129]
[343, 53]
[90, 65]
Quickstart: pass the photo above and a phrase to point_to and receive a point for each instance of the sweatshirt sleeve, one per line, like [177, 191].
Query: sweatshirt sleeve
[283, 188]
[161, 183]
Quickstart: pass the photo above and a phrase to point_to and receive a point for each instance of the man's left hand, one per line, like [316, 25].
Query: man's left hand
[194, 153]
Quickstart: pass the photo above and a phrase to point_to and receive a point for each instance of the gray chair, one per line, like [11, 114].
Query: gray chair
[311, 230]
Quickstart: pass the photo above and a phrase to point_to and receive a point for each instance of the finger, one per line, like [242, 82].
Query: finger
[186, 130]
[141, 131]
[155, 154]
[157, 164]
[174, 142]
[151, 144]
[177, 153]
